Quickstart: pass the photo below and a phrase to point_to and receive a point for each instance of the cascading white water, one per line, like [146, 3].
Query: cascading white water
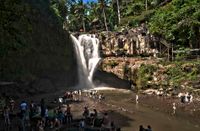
[87, 51]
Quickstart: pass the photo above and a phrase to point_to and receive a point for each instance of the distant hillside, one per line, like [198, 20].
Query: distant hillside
[34, 49]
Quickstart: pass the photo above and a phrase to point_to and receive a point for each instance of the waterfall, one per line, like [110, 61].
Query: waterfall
[87, 52]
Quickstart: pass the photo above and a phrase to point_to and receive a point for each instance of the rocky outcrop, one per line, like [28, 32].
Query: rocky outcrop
[146, 73]
[129, 42]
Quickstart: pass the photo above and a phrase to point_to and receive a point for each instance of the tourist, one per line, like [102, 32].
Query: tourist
[82, 125]
[57, 123]
[97, 122]
[23, 107]
[112, 126]
[136, 98]
[46, 116]
[106, 121]
[186, 97]
[190, 97]
[23, 113]
[68, 114]
[141, 128]
[51, 124]
[40, 125]
[32, 109]
[61, 115]
[148, 128]
[101, 97]
[12, 105]
[60, 100]
[86, 112]
[79, 92]
[79, 95]
[174, 108]
[95, 113]
[38, 109]
[43, 108]
[6, 114]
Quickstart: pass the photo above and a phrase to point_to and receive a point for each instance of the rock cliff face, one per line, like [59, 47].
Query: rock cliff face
[145, 73]
[36, 54]
[128, 42]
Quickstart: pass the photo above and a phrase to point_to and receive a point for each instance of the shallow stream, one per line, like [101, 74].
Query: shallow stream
[130, 115]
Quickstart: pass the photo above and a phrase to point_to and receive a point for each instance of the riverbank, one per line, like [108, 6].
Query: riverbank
[121, 106]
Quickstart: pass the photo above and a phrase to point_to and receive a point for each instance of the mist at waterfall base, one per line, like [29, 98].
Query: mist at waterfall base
[87, 53]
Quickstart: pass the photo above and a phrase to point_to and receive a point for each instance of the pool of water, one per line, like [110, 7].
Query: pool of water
[132, 115]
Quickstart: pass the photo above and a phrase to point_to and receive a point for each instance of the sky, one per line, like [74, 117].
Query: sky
[88, 0]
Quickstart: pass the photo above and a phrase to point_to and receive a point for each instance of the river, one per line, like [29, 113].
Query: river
[128, 115]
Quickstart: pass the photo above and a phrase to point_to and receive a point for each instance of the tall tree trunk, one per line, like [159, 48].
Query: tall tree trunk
[146, 4]
[104, 15]
[83, 25]
[118, 12]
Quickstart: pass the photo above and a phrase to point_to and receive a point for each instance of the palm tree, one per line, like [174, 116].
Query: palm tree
[102, 6]
[80, 13]
[118, 11]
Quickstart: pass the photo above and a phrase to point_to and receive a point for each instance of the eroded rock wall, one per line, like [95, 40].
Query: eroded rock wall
[129, 42]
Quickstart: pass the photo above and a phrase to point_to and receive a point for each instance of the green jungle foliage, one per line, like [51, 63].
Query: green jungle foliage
[183, 71]
[175, 73]
[144, 74]
[178, 21]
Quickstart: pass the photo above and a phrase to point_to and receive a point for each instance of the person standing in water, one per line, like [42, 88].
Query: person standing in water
[136, 98]
[174, 108]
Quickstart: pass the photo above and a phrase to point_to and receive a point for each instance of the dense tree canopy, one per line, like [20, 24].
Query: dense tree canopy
[176, 21]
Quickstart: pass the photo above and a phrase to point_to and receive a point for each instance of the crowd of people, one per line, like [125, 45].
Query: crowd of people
[186, 97]
[38, 116]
